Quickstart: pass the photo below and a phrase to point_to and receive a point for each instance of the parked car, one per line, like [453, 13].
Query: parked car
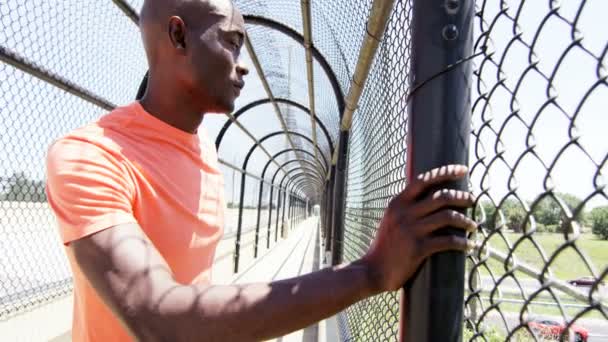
[584, 281]
[552, 329]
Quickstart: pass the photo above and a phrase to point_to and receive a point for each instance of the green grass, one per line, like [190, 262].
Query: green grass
[490, 335]
[378, 318]
[567, 265]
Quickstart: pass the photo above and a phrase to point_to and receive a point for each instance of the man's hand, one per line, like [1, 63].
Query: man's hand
[405, 235]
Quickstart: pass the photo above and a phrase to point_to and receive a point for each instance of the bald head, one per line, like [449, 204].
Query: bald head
[156, 15]
[195, 45]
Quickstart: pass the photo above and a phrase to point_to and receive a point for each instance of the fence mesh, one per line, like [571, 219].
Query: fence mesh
[376, 170]
[538, 153]
[58, 41]
[537, 161]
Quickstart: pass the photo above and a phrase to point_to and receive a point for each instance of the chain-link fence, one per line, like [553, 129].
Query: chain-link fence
[49, 52]
[537, 164]
[537, 161]
[537, 149]
[376, 170]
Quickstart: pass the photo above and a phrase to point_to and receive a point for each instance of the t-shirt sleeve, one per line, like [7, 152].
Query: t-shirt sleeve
[87, 188]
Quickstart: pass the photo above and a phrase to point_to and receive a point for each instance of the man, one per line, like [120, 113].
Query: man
[138, 197]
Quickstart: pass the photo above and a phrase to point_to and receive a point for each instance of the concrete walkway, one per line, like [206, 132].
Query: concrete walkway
[298, 254]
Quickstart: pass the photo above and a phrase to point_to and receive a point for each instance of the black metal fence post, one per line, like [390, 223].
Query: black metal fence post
[339, 194]
[289, 210]
[285, 194]
[270, 215]
[257, 225]
[237, 241]
[276, 226]
[239, 228]
[294, 217]
[293, 212]
[297, 210]
[439, 130]
[329, 209]
[325, 218]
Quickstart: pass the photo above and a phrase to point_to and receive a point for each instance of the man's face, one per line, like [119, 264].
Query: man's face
[215, 47]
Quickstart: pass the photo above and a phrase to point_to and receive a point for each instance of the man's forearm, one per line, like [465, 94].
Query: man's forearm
[261, 311]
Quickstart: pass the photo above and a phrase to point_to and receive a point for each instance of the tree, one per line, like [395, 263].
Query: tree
[573, 202]
[515, 218]
[512, 211]
[599, 222]
[549, 213]
[22, 189]
[486, 208]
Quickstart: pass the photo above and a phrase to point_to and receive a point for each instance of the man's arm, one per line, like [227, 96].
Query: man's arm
[133, 279]
[131, 276]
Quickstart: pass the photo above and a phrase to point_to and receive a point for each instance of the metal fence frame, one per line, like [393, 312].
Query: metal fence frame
[442, 53]
[439, 121]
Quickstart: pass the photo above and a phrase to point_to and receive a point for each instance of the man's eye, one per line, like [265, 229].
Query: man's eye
[233, 45]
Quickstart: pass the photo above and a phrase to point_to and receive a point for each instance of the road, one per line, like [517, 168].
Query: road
[529, 285]
[598, 328]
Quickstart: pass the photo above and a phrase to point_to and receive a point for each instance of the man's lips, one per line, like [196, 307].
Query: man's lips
[238, 86]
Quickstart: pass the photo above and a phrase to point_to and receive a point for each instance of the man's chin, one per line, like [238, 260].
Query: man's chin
[224, 108]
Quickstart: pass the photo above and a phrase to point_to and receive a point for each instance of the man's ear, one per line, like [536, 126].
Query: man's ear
[177, 34]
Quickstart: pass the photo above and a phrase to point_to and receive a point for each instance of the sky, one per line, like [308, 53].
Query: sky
[105, 56]
[576, 166]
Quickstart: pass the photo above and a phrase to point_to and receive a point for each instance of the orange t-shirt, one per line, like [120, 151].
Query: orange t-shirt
[131, 167]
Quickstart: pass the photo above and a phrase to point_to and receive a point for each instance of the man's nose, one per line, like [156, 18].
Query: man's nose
[241, 68]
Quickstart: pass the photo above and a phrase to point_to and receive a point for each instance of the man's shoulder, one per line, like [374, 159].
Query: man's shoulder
[94, 137]
[82, 142]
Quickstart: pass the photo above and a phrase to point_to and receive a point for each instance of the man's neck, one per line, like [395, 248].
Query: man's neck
[172, 108]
